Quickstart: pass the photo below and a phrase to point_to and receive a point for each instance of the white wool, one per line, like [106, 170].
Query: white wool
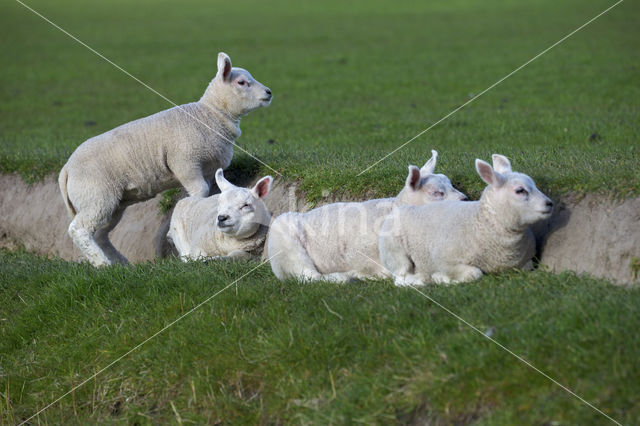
[183, 145]
[455, 241]
[229, 225]
[339, 242]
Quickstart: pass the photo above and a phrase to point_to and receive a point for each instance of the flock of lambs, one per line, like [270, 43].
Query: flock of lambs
[427, 233]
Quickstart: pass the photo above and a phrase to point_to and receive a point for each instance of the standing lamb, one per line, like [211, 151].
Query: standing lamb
[328, 243]
[229, 225]
[183, 145]
[453, 242]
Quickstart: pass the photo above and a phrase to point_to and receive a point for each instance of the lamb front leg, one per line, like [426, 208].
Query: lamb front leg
[466, 273]
[233, 256]
[459, 273]
[410, 280]
[193, 181]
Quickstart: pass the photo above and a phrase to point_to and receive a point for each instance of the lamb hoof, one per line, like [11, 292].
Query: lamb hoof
[471, 274]
[408, 280]
[440, 278]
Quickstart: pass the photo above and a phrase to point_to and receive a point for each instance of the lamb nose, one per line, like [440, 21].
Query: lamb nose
[268, 91]
[223, 217]
[549, 203]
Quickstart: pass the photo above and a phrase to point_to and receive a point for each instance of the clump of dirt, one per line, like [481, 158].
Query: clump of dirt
[592, 234]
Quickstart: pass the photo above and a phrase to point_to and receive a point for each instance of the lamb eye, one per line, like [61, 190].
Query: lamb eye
[245, 205]
[241, 82]
[521, 191]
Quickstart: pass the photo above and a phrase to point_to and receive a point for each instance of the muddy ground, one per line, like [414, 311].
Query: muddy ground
[591, 234]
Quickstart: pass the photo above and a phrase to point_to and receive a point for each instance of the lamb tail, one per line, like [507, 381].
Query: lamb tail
[62, 182]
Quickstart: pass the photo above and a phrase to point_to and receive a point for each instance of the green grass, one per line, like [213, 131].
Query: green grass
[352, 80]
[270, 352]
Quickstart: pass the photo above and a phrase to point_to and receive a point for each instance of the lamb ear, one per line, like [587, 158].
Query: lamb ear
[222, 182]
[488, 175]
[430, 165]
[262, 188]
[224, 66]
[501, 164]
[413, 180]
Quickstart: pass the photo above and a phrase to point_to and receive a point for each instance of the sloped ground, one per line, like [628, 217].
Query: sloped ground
[591, 234]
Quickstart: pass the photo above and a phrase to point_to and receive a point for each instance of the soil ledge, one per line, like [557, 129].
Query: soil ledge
[591, 234]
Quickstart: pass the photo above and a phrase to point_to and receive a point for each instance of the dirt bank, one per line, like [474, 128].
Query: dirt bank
[34, 216]
[592, 234]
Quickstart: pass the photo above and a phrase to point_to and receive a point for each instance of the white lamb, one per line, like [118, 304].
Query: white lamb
[339, 242]
[183, 145]
[453, 242]
[229, 225]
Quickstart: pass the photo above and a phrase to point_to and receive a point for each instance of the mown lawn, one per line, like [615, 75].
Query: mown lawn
[271, 352]
[352, 80]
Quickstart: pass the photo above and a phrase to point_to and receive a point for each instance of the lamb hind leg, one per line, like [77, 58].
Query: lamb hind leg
[299, 265]
[287, 256]
[398, 264]
[82, 231]
[102, 239]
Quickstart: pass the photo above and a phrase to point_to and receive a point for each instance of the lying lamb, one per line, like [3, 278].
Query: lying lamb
[328, 243]
[229, 225]
[453, 242]
[183, 145]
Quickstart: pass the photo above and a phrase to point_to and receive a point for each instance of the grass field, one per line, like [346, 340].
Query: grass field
[271, 352]
[352, 80]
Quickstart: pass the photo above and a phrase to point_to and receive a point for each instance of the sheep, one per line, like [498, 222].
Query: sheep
[230, 225]
[183, 145]
[326, 243]
[452, 241]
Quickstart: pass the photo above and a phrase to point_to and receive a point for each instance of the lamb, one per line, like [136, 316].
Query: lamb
[328, 243]
[452, 242]
[229, 225]
[183, 145]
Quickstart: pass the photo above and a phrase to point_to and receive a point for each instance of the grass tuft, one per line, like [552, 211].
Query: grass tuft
[169, 199]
